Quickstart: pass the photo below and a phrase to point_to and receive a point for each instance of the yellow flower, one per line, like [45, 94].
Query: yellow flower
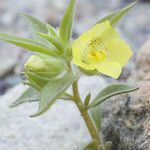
[102, 49]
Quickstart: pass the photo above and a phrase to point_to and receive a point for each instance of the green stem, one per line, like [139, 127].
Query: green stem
[88, 121]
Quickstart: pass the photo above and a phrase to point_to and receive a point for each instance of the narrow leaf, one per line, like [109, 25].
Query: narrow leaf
[111, 91]
[30, 95]
[96, 116]
[87, 99]
[52, 40]
[37, 25]
[51, 31]
[52, 91]
[115, 17]
[67, 22]
[28, 44]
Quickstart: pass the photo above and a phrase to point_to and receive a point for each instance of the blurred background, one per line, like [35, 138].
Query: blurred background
[15, 128]
[134, 27]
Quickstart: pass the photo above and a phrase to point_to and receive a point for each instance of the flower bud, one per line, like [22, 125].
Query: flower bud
[40, 69]
[35, 63]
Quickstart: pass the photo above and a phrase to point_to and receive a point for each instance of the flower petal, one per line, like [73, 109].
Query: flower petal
[119, 51]
[111, 69]
[77, 59]
[105, 31]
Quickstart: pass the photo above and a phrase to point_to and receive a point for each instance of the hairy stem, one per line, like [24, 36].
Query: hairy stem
[87, 119]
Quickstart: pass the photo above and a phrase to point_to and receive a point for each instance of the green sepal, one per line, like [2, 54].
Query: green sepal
[67, 22]
[115, 17]
[30, 95]
[110, 91]
[36, 80]
[89, 72]
[31, 82]
[28, 44]
[53, 91]
[96, 116]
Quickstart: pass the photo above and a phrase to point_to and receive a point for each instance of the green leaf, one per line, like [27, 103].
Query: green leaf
[52, 91]
[30, 95]
[115, 17]
[66, 96]
[51, 31]
[28, 44]
[52, 40]
[111, 91]
[96, 116]
[87, 99]
[37, 25]
[67, 22]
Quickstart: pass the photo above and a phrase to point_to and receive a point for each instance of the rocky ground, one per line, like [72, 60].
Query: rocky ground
[126, 119]
[127, 123]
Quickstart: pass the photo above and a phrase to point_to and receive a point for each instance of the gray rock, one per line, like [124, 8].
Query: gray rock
[142, 61]
[9, 57]
[127, 121]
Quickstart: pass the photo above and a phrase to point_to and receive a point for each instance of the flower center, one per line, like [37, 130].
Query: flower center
[96, 51]
[97, 44]
[95, 56]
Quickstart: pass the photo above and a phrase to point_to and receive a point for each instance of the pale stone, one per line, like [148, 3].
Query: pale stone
[61, 128]
[142, 66]
[8, 59]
